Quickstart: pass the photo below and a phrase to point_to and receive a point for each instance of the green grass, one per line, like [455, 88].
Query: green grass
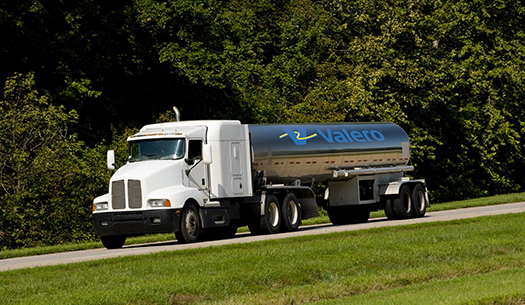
[499, 287]
[470, 261]
[494, 200]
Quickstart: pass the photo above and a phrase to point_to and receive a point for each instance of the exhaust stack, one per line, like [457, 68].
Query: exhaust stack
[177, 113]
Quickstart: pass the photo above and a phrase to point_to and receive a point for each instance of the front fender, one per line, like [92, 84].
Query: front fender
[177, 195]
[103, 198]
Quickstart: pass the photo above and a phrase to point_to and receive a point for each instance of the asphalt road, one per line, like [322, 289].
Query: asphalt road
[95, 254]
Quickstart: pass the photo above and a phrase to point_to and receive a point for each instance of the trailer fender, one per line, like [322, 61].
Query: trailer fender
[393, 188]
[305, 196]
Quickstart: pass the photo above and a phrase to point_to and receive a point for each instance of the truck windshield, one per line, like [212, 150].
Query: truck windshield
[165, 149]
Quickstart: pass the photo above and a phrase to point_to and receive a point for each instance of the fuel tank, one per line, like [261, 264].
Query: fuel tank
[314, 151]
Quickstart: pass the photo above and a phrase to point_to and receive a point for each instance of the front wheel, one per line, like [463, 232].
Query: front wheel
[113, 242]
[190, 226]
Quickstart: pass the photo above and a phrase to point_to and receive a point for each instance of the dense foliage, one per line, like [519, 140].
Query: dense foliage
[451, 73]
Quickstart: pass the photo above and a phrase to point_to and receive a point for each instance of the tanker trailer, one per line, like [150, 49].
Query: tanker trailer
[363, 165]
[207, 178]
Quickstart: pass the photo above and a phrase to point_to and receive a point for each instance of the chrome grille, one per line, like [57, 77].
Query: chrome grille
[118, 196]
[134, 194]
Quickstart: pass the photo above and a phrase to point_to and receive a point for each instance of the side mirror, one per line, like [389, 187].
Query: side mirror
[111, 159]
[206, 154]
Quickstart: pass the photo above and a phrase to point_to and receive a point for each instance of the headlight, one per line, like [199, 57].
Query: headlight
[101, 206]
[157, 203]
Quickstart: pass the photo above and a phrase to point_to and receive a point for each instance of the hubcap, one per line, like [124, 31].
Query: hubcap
[191, 222]
[407, 202]
[292, 212]
[421, 200]
[274, 214]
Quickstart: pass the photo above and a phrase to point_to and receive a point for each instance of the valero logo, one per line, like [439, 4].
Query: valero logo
[343, 136]
[299, 137]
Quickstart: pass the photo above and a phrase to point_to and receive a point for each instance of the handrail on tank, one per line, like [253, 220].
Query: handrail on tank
[366, 171]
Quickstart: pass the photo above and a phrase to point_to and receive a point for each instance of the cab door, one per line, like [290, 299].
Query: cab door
[197, 171]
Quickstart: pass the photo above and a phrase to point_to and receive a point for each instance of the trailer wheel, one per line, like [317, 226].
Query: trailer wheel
[420, 200]
[291, 213]
[389, 209]
[113, 242]
[403, 205]
[190, 226]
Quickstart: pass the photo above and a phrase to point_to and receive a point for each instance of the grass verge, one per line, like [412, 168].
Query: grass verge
[493, 200]
[376, 266]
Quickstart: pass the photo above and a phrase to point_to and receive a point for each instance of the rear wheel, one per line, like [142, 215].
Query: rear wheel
[270, 222]
[389, 209]
[403, 205]
[291, 213]
[190, 226]
[113, 242]
[419, 200]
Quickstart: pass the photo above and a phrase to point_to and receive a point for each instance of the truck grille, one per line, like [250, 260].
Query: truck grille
[135, 194]
[118, 194]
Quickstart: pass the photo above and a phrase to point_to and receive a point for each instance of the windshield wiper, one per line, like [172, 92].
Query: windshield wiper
[149, 155]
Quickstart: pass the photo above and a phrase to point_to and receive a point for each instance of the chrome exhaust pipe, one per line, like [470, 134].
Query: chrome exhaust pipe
[177, 113]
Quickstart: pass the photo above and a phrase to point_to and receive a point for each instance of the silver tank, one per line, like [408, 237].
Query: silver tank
[304, 151]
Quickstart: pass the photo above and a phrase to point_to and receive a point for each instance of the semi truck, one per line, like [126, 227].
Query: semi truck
[208, 178]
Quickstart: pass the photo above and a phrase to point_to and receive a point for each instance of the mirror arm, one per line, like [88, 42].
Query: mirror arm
[189, 170]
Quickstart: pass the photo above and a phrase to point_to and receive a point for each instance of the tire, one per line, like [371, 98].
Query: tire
[190, 225]
[290, 213]
[389, 209]
[419, 200]
[403, 205]
[113, 242]
[271, 221]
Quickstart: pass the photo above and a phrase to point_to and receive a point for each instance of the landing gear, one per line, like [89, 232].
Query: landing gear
[342, 215]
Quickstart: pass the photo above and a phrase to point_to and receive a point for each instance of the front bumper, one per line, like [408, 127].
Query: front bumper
[130, 223]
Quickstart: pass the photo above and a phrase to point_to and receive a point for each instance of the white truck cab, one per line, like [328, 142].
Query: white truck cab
[168, 173]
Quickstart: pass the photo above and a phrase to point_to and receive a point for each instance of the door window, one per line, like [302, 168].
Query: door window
[194, 149]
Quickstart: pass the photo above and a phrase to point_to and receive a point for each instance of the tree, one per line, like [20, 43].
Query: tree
[47, 177]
